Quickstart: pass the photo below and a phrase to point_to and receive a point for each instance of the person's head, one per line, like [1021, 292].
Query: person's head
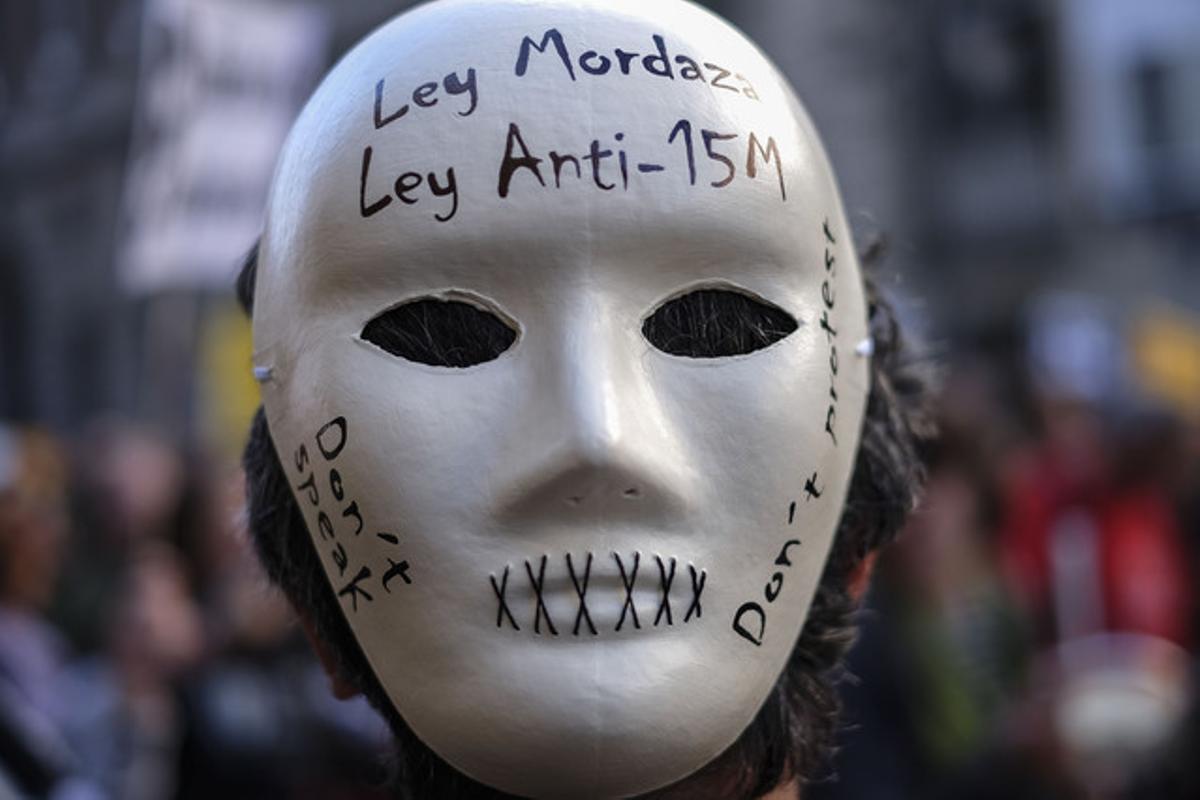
[565, 356]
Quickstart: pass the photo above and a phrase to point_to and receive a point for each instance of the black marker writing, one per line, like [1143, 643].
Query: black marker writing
[425, 96]
[511, 163]
[395, 569]
[665, 581]
[698, 580]
[628, 581]
[502, 609]
[351, 512]
[710, 137]
[750, 620]
[340, 559]
[828, 304]
[354, 591]
[551, 36]
[684, 128]
[581, 590]
[540, 612]
[331, 440]
[607, 165]
[544, 577]
[405, 188]
[810, 488]
[768, 154]
[657, 61]
[756, 151]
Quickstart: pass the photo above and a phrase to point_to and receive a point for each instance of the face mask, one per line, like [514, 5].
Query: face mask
[558, 325]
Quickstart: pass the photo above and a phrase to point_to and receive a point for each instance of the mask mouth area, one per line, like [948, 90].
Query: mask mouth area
[589, 594]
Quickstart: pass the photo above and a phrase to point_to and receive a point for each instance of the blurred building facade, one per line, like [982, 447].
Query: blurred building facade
[1008, 146]
[1000, 147]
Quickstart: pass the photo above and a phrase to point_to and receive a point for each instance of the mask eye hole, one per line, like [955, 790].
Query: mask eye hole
[716, 323]
[440, 333]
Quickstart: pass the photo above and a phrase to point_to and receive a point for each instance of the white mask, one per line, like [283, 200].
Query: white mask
[578, 568]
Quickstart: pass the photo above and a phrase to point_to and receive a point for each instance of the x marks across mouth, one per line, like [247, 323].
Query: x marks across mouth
[590, 594]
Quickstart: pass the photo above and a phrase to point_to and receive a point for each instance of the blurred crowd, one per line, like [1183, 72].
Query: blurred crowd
[1034, 632]
[1032, 635]
[141, 653]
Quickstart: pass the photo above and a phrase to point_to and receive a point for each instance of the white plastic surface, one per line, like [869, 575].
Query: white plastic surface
[432, 492]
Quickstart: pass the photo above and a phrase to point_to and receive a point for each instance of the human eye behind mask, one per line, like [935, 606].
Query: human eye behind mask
[472, 467]
[716, 323]
[702, 324]
[440, 333]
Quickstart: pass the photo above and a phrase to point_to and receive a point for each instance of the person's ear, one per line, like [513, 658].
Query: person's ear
[341, 688]
[860, 578]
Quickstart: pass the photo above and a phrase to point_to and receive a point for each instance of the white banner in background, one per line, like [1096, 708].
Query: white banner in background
[221, 82]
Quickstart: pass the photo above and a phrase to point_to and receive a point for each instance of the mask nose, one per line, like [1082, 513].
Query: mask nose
[593, 438]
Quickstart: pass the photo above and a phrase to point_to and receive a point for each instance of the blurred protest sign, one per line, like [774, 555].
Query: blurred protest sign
[228, 392]
[220, 83]
[1166, 357]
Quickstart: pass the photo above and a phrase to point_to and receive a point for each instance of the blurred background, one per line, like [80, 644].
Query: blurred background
[1032, 169]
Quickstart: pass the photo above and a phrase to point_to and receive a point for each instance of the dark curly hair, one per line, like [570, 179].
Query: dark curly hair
[792, 735]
